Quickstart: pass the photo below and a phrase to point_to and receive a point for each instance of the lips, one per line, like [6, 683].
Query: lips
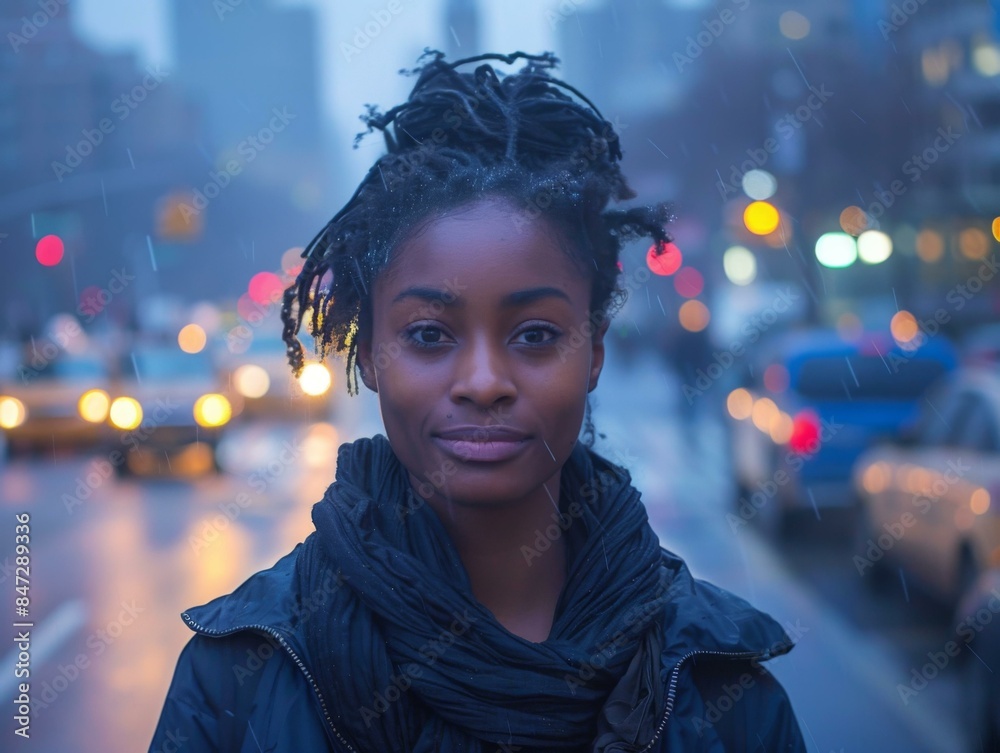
[490, 444]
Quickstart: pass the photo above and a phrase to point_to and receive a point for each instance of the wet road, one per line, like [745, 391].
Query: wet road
[114, 562]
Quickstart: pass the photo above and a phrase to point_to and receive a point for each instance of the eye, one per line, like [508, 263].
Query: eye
[536, 334]
[424, 335]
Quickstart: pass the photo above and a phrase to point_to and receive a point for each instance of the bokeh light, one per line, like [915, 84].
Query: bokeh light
[776, 378]
[761, 218]
[930, 245]
[315, 379]
[854, 220]
[739, 404]
[251, 380]
[664, 259]
[192, 338]
[212, 410]
[689, 283]
[740, 265]
[49, 250]
[265, 288]
[125, 413]
[93, 406]
[794, 25]
[836, 250]
[904, 327]
[693, 315]
[973, 243]
[759, 185]
[996, 228]
[849, 326]
[292, 261]
[874, 246]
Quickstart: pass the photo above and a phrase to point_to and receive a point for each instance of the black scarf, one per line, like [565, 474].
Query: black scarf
[408, 660]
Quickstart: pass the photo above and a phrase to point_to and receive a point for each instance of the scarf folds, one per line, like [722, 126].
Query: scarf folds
[409, 661]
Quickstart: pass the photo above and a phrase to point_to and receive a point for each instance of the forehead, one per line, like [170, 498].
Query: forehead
[485, 250]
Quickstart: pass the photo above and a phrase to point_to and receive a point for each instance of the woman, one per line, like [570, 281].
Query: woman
[478, 579]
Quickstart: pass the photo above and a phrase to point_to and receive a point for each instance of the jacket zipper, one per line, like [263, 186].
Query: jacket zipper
[277, 636]
[672, 689]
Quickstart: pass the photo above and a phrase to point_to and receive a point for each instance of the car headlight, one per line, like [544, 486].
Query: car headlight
[12, 412]
[212, 409]
[93, 406]
[315, 379]
[125, 413]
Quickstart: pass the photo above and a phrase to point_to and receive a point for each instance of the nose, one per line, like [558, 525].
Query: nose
[482, 374]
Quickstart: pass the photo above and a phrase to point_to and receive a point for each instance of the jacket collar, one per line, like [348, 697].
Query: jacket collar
[703, 618]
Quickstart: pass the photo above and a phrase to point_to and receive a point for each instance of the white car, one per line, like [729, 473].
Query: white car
[930, 502]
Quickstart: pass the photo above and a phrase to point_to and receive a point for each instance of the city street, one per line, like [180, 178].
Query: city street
[111, 572]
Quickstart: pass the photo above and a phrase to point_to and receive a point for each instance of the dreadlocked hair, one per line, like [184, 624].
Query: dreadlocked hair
[460, 137]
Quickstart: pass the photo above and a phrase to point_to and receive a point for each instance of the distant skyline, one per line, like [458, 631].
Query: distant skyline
[142, 26]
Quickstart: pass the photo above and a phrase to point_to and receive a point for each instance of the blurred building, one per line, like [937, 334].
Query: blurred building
[87, 142]
[462, 22]
[241, 62]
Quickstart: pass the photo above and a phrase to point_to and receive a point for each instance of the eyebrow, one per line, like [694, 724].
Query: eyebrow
[517, 298]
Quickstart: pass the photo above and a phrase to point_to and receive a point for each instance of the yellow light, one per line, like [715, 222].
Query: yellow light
[93, 406]
[761, 218]
[996, 228]
[250, 380]
[212, 410]
[904, 326]
[125, 413]
[980, 501]
[693, 315]
[192, 338]
[739, 404]
[973, 243]
[12, 412]
[763, 412]
[315, 379]
[930, 246]
[793, 25]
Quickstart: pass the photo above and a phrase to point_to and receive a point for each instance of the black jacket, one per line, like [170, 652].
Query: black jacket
[243, 682]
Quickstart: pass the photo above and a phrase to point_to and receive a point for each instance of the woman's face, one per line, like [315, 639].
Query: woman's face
[482, 320]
